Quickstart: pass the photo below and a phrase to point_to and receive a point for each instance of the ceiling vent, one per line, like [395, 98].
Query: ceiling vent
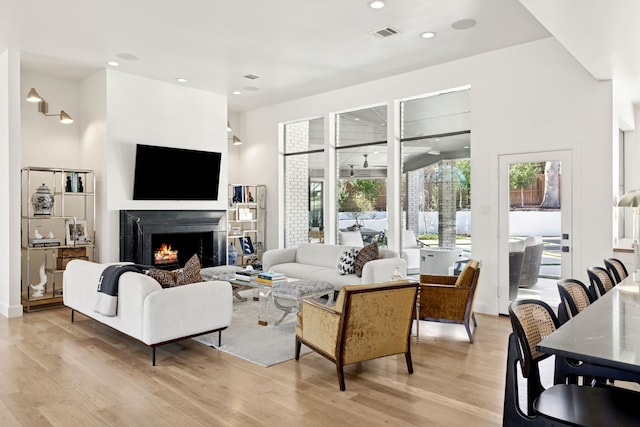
[251, 77]
[385, 32]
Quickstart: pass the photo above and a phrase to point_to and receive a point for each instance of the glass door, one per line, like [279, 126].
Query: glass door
[535, 226]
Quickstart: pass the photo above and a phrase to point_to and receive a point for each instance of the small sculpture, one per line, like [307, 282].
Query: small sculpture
[80, 186]
[51, 235]
[37, 235]
[38, 289]
[67, 186]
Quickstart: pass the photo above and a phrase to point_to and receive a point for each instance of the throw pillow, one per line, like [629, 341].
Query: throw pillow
[347, 261]
[366, 254]
[189, 274]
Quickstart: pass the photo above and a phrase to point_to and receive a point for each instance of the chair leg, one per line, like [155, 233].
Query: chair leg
[466, 325]
[298, 344]
[340, 369]
[153, 356]
[473, 316]
[220, 338]
[407, 356]
[512, 415]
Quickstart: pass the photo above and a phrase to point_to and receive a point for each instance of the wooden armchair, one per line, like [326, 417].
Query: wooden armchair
[367, 322]
[449, 299]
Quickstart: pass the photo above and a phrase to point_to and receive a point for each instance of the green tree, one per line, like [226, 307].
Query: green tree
[464, 166]
[357, 196]
[522, 175]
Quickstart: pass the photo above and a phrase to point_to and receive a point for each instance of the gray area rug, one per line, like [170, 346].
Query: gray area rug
[263, 345]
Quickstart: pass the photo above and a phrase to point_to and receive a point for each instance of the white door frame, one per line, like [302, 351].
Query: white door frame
[564, 156]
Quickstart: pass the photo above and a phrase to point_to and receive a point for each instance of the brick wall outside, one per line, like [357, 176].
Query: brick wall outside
[296, 184]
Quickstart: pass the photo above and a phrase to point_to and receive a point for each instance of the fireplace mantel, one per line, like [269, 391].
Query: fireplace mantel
[138, 227]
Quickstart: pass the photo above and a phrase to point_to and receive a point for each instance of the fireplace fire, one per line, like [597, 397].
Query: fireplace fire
[165, 255]
[142, 233]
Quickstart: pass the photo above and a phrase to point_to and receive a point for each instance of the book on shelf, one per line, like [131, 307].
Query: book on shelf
[42, 243]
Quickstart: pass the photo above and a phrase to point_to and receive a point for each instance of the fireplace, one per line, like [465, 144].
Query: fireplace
[167, 238]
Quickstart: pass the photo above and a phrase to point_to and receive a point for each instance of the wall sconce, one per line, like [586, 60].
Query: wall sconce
[43, 107]
[229, 126]
[236, 140]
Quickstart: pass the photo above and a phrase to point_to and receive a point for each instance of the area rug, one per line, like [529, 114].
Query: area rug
[263, 345]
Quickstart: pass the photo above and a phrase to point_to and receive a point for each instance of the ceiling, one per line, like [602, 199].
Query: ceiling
[295, 47]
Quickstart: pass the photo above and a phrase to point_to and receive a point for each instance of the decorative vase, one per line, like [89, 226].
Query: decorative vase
[42, 201]
[232, 254]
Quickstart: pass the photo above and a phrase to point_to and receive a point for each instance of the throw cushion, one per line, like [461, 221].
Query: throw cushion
[189, 274]
[347, 261]
[366, 254]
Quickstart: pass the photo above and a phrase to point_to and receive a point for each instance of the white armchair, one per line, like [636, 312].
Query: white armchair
[411, 251]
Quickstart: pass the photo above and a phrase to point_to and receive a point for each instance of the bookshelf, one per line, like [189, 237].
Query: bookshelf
[246, 221]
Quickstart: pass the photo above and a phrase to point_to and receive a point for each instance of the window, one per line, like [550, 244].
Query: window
[361, 158]
[436, 168]
[304, 177]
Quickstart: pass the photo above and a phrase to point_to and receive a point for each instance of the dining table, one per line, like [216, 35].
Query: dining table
[606, 333]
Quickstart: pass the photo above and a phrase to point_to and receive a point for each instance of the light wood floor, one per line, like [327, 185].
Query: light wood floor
[54, 372]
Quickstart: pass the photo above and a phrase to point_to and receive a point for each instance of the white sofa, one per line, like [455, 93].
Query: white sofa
[320, 262]
[146, 311]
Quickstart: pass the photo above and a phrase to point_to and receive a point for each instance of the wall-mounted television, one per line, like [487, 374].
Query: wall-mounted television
[165, 173]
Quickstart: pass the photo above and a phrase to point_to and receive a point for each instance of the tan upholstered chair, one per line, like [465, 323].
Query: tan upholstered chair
[449, 299]
[367, 322]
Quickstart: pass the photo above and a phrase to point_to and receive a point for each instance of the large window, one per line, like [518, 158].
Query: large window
[304, 178]
[361, 156]
[436, 168]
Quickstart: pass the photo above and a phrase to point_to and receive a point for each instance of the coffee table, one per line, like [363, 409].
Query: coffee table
[292, 290]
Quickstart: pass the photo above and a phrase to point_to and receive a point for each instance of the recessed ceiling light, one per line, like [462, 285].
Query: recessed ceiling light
[434, 152]
[181, 80]
[428, 35]
[114, 63]
[127, 56]
[376, 4]
[236, 92]
[464, 24]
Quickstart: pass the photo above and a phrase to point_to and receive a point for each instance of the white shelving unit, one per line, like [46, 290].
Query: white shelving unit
[73, 210]
[246, 218]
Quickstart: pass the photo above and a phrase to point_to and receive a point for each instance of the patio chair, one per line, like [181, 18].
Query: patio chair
[367, 322]
[531, 262]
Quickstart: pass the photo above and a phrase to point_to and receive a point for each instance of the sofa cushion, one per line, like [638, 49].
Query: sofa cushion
[366, 254]
[189, 274]
[319, 254]
[347, 261]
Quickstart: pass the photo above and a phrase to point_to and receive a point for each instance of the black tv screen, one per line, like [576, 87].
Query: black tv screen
[164, 173]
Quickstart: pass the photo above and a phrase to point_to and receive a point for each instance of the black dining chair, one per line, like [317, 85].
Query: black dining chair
[574, 297]
[601, 281]
[616, 268]
[561, 404]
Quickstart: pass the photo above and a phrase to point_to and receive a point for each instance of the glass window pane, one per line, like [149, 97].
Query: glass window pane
[304, 181]
[361, 156]
[436, 168]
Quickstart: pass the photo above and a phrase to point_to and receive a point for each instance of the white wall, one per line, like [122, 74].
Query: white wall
[45, 141]
[145, 111]
[10, 304]
[531, 97]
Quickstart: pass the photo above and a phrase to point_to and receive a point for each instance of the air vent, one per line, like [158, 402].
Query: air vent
[385, 32]
[251, 77]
